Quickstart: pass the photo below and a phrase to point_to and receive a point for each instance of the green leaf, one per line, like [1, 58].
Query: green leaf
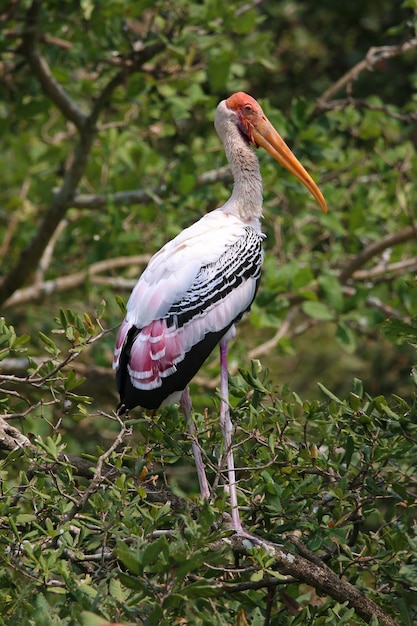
[401, 331]
[102, 308]
[332, 290]
[87, 7]
[20, 340]
[42, 612]
[303, 277]
[153, 550]
[63, 319]
[186, 183]
[244, 22]
[91, 619]
[25, 518]
[257, 576]
[155, 617]
[346, 337]
[199, 589]
[317, 310]
[349, 450]
[52, 348]
[121, 304]
[116, 590]
[130, 559]
[329, 394]
[218, 70]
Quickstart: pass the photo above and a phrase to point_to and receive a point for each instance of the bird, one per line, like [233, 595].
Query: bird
[198, 286]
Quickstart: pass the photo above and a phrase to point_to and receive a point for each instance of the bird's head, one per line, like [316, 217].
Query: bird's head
[258, 130]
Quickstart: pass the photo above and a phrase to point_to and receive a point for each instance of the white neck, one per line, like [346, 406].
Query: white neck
[246, 199]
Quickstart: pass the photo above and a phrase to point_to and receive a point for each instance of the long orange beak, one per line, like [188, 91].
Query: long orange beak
[266, 136]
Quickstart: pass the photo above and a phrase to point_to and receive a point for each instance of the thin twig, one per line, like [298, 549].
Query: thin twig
[384, 272]
[98, 478]
[48, 287]
[141, 196]
[375, 248]
[374, 56]
[47, 254]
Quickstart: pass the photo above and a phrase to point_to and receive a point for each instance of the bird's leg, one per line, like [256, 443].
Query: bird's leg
[226, 426]
[185, 403]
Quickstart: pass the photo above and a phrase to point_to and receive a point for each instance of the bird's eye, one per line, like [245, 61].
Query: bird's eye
[247, 108]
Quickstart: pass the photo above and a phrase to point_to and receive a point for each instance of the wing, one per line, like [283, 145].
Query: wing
[172, 270]
[190, 295]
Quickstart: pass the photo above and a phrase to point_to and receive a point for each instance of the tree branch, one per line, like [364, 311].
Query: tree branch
[51, 87]
[48, 287]
[374, 56]
[140, 196]
[98, 471]
[12, 439]
[46, 258]
[322, 578]
[383, 272]
[87, 129]
[376, 248]
[305, 567]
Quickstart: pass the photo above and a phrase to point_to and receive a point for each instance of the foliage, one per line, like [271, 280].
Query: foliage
[337, 475]
[106, 116]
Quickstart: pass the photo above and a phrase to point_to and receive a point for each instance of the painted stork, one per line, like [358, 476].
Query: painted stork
[198, 286]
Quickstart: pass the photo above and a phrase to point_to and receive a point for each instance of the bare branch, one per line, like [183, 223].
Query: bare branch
[11, 438]
[48, 287]
[31, 255]
[248, 6]
[140, 196]
[374, 56]
[51, 87]
[375, 303]
[384, 272]
[322, 578]
[376, 248]
[267, 346]
[47, 254]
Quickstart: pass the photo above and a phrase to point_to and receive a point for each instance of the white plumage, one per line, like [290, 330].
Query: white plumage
[199, 284]
[173, 269]
[196, 285]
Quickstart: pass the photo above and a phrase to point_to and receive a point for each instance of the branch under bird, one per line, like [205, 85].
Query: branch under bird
[198, 286]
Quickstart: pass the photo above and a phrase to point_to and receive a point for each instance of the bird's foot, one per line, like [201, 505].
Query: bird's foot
[122, 410]
[246, 537]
